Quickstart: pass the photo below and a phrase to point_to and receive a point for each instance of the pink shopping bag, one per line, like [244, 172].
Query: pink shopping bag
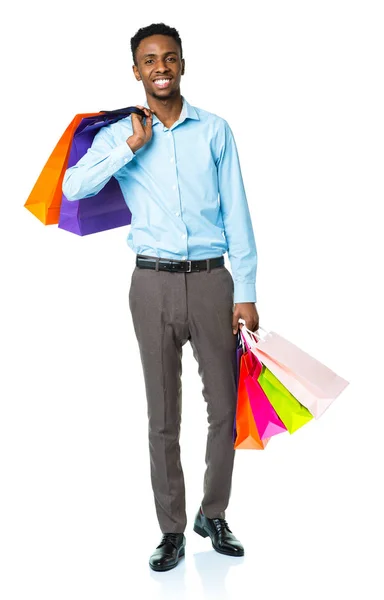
[313, 384]
[267, 421]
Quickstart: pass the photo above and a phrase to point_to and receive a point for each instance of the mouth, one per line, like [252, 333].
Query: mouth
[162, 82]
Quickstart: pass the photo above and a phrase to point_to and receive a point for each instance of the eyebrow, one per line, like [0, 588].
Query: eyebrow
[165, 53]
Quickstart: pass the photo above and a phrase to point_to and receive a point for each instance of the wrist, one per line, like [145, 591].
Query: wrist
[133, 144]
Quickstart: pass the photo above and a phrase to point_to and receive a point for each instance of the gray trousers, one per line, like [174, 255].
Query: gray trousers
[168, 309]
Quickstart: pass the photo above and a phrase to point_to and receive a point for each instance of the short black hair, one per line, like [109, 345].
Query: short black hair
[154, 29]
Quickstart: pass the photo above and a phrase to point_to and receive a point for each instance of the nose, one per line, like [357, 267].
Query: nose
[161, 66]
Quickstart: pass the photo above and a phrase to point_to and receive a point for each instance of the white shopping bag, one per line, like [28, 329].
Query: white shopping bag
[313, 384]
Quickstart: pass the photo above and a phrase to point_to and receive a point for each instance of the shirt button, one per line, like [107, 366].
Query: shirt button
[171, 159]
[183, 236]
[177, 214]
[184, 257]
[173, 187]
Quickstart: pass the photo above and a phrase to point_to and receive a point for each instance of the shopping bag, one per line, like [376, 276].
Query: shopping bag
[247, 435]
[45, 198]
[240, 348]
[266, 418]
[107, 209]
[293, 414]
[313, 384]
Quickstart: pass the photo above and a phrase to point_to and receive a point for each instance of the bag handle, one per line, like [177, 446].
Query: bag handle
[240, 341]
[256, 364]
[108, 117]
[250, 343]
[123, 112]
[253, 333]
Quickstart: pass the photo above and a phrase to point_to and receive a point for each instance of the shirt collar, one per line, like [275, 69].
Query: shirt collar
[187, 112]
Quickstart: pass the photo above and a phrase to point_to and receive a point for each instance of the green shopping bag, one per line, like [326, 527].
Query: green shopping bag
[293, 414]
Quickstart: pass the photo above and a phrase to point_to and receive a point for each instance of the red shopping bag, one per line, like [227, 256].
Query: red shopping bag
[247, 436]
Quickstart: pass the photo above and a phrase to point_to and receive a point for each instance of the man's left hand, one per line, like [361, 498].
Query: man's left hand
[248, 312]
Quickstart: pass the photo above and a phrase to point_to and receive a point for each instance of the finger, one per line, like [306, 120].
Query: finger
[147, 111]
[137, 123]
[235, 325]
[254, 333]
[148, 125]
[136, 118]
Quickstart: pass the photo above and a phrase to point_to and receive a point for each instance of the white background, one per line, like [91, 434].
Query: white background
[301, 84]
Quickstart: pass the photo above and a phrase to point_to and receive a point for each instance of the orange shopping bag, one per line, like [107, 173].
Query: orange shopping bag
[44, 201]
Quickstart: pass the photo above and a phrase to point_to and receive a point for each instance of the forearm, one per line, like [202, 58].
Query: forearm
[242, 254]
[95, 169]
[237, 221]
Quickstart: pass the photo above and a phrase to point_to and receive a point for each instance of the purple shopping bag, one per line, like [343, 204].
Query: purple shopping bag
[107, 209]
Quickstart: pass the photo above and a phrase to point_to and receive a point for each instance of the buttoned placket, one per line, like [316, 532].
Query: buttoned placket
[175, 196]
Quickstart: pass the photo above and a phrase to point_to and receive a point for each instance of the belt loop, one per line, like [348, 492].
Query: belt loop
[157, 263]
[208, 266]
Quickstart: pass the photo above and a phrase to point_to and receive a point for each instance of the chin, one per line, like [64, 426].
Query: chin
[164, 94]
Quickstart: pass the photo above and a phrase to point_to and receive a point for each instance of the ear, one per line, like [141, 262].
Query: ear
[182, 66]
[136, 72]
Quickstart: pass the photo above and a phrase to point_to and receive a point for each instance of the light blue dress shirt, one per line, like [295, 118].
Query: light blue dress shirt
[184, 189]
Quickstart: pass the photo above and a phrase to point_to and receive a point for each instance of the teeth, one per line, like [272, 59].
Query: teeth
[161, 81]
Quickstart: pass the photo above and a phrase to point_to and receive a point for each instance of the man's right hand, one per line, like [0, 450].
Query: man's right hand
[141, 133]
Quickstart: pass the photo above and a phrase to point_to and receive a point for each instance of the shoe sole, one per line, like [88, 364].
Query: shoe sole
[169, 567]
[204, 534]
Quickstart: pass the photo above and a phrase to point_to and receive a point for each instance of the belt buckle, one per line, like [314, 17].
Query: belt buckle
[189, 266]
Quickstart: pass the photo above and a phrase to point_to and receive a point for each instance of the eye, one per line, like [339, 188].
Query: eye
[148, 61]
[172, 58]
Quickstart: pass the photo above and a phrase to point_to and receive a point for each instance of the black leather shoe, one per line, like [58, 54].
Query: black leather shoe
[167, 554]
[221, 536]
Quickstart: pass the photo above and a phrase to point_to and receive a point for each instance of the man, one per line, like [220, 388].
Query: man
[179, 172]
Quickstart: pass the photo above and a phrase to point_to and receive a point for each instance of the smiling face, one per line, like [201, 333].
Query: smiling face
[159, 66]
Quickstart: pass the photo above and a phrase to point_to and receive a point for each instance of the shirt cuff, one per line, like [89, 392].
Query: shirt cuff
[121, 155]
[244, 292]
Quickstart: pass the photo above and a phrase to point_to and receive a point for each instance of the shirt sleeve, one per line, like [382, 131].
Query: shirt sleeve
[93, 171]
[239, 233]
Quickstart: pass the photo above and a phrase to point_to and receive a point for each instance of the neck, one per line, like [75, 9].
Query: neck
[167, 110]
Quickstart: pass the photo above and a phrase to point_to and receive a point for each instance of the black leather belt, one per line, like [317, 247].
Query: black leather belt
[178, 266]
